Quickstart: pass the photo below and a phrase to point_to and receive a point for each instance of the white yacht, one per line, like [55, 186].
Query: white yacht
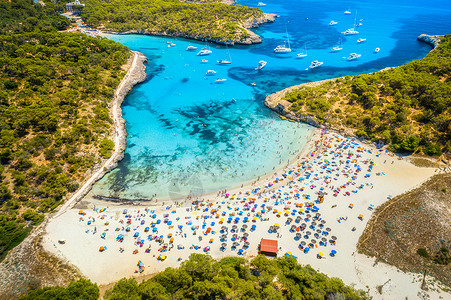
[281, 49]
[353, 56]
[261, 65]
[191, 48]
[332, 23]
[303, 53]
[261, 4]
[352, 30]
[226, 61]
[315, 64]
[210, 72]
[204, 61]
[204, 51]
[220, 80]
[361, 40]
[347, 12]
[377, 50]
[339, 47]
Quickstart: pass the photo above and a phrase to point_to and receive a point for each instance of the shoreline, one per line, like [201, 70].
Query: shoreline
[135, 74]
[276, 102]
[350, 266]
[250, 23]
[308, 147]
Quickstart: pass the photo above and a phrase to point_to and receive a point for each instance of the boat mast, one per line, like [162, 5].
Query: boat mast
[355, 20]
[286, 31]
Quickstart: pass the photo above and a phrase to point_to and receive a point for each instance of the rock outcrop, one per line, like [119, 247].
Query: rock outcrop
[433, 40]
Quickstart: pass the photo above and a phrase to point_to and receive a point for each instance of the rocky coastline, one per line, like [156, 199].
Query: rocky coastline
[282, 107]
[432, 40]
[136, 74]
[276, 102]
[250, 23]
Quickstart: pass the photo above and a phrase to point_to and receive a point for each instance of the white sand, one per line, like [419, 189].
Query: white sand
[82, 249]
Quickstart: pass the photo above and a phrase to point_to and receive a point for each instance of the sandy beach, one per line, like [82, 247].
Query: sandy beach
[233, 223]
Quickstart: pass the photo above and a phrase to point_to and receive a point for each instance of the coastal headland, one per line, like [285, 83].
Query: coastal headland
[250, 23]
[29, 261]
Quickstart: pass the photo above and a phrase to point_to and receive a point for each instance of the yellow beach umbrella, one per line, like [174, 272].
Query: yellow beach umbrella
[277, 224]
[321, 254]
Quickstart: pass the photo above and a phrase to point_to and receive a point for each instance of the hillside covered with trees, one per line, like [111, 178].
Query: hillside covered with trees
[408, 107]
[54, 117]
[201, 277]
[212, 20]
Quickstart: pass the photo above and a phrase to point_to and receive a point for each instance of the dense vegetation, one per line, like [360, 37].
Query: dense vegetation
[408, 107]
[81, 289]
[54, 94]
[201, 277]
[216, 21]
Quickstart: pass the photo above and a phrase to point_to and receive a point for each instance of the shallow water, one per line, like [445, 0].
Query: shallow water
[189, 135]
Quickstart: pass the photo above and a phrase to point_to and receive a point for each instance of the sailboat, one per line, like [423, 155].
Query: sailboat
[282, 49]
[225, 61]
[302, 54]
[352, 30]
[338, 47]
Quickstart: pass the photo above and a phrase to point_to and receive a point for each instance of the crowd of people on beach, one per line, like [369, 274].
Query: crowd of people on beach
[288, 207]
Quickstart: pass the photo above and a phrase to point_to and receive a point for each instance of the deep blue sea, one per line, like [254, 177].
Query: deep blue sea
[190, 135]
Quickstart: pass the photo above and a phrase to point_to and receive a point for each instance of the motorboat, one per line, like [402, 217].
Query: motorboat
[191, 48]
[204, 51]
[210, 72]
[171, 45]
[377, 50]
[204, 61]
[261, 65]
[354, 56]
[361, 40]
[347, 12]
[220, 80]
[261, 4]
[315, 64]
[332, 23]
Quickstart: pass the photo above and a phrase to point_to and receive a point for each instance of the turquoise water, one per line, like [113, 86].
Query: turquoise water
[190, 135]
